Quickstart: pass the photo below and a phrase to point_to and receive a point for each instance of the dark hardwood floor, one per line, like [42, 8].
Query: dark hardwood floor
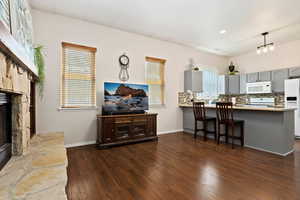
[180, 167]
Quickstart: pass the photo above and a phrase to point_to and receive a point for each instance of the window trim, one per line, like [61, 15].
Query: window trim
[162, 84]
[93, 50]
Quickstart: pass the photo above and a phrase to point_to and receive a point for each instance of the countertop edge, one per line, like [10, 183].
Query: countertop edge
[245, 108]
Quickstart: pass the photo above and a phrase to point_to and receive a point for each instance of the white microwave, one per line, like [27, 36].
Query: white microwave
[259, 87]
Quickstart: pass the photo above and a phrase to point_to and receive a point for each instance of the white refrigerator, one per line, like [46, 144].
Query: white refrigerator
[292, 100]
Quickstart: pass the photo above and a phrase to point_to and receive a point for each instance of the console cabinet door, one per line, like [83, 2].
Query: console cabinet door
[252, 77]
[264, 76]
[107, 131]
[151, 126]
[122, 128]
[278, 77]
[138, 127]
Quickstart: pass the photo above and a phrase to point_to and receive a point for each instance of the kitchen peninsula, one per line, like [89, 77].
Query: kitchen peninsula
[269, 129]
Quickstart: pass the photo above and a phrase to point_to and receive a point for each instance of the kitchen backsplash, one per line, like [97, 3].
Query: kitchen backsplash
[186, 98]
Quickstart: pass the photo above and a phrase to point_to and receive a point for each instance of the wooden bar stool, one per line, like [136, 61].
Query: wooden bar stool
[200, 115]
[225, 117]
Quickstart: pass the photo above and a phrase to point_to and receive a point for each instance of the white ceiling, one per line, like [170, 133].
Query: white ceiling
[194, 23]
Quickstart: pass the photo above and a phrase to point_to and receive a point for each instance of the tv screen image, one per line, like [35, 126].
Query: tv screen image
[125, 98]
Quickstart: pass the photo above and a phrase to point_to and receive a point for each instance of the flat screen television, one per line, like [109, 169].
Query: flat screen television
[124, 98]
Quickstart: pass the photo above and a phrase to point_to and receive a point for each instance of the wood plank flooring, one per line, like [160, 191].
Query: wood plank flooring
[179, 167]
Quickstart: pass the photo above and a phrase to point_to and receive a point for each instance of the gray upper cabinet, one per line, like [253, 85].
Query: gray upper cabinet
[252, 77]
[264, 76]
[243, 83]
[234, 84]
[294, 72]
[278, 77]
[193, 80]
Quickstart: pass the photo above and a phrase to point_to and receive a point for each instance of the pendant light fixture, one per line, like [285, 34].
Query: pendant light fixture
[266, 46]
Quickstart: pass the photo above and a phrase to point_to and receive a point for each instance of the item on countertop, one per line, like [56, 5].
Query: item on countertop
[232, 70]
[233, 100]
[192, 65]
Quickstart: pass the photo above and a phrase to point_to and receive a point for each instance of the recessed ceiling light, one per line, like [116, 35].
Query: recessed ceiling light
[223, 31]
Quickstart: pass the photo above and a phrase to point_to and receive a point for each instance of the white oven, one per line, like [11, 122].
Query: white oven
[259, 87]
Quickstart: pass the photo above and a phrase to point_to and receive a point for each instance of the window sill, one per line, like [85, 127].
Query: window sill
[79, 108]
[157, 105]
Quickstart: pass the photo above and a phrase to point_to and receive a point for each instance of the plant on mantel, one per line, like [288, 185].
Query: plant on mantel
[40, 64]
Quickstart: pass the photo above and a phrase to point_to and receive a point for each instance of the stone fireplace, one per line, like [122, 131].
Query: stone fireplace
[15, 81]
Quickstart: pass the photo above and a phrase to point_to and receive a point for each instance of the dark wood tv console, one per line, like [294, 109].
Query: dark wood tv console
[124, 129]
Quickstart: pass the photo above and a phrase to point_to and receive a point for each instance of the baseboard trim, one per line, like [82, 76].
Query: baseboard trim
[80, 144]
[272, 152]
[169, 132]
[251, 147]
[94, 142]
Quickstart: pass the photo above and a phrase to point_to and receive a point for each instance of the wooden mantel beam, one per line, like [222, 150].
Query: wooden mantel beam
[10, 47]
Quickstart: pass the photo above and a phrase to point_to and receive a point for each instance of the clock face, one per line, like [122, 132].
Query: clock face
[124, 60]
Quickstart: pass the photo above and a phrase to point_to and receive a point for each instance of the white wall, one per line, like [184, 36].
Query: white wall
[285, 56]
[80, 126]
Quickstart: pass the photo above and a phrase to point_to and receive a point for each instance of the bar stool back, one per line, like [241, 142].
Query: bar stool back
[225, 116]
[200, 115]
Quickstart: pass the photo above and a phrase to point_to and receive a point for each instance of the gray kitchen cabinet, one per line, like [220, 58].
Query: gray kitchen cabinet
[252, 77]
[264, 76]
[243, 83]
[234, 84]
[188, 119]
[193, 80]
[294, 72]
[223, 84]
[278, 77]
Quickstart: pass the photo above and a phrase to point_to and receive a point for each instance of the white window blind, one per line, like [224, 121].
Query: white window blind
[78, 76]
[5, 13]
[155, 79]
[210, 86]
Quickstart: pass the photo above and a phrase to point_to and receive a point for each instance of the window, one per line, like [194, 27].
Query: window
[78, 76]
[155, 69]
[210, 86]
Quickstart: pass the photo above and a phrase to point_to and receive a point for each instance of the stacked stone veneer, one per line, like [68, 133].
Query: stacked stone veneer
[16, 80]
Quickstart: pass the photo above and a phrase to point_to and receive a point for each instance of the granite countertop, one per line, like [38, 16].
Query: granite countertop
[245, 107]
[40, 174]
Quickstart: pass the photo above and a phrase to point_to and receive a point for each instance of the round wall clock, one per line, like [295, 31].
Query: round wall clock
[124, 60]
[124, 64]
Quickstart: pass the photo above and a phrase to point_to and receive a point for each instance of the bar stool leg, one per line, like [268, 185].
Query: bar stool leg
[215, 129]
[242, 134]
[232, 140]
[218, 133]
[204, 130]
[226, 133]
[195, 129]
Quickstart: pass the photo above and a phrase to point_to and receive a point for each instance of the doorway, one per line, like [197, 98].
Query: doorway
[32, 109]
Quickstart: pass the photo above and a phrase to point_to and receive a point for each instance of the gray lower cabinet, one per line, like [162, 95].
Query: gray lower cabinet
[252, 77]
[234, 84]
[188, 119]
[278, 77]
[264, 76]
[193, 80]
[243, 83]
[294, 72]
